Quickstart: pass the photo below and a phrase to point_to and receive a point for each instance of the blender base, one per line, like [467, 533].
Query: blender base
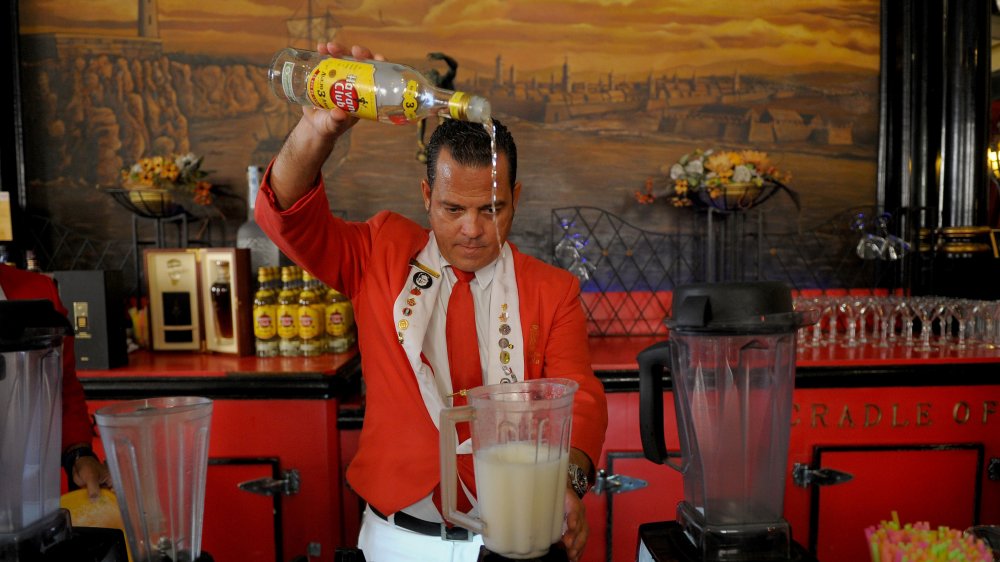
[555, 554]
[665, 541]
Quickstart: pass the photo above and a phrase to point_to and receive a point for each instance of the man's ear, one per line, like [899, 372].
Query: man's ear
[515, 195]
[425, 190]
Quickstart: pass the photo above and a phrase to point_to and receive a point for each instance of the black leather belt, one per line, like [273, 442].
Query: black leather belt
[429, 528]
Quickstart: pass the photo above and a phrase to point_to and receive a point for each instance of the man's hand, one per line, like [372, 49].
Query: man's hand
[577, 529]
[91, 473]
[335, 122]
[312, 140]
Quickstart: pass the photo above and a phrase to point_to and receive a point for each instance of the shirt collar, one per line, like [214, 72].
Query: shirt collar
[484, 275]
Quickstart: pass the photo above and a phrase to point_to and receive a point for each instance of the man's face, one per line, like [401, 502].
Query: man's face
[460, 209]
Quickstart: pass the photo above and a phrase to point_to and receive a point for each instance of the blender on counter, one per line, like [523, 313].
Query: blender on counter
[157, 452]
[32, 525]
[731, 359]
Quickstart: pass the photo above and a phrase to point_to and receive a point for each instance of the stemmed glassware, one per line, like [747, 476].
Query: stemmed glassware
[890, 320]
[928, 309]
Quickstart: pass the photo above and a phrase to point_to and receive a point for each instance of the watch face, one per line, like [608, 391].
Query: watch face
[578, 479]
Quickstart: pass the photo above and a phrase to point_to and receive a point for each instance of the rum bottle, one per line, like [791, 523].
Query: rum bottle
[369, 89]
[310, 318]
[265, 325]
[249, 235]
[339, 322]
[222, 301]
[287, 312]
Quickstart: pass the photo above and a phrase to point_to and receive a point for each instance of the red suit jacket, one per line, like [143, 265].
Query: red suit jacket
[20, 285]
[397, 461]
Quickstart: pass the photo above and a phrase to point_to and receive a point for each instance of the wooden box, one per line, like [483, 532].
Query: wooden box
[199, 299]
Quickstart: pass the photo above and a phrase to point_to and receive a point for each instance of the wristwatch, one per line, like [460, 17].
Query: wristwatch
[578, 480]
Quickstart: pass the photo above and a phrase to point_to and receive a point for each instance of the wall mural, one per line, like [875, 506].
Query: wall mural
[601, 96]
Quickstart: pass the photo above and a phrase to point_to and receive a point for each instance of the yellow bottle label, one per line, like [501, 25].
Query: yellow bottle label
[288, 328]
[310, 322]
[264, 324]
[349, 85]
[411, 103]
[339, 318]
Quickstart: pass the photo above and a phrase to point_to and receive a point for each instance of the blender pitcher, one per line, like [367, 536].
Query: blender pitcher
[157, 451]
[520, 447]
[31, 338]
[731, 354]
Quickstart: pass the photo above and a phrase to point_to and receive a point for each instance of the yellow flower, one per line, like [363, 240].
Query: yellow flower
[735, 158]
[680, 186]
[757, 158]
[720, 164]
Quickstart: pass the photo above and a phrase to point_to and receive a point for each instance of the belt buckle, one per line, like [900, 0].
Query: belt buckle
[455, 534]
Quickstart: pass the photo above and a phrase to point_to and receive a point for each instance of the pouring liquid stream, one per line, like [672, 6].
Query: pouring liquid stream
[491, 130]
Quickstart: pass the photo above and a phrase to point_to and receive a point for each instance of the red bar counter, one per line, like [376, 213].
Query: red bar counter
[919, 432]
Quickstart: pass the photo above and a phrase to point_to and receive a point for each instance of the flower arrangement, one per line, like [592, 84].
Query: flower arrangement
[726, 180]
[176, 173]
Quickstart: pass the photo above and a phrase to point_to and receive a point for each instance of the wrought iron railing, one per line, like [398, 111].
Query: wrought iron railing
[627, 273]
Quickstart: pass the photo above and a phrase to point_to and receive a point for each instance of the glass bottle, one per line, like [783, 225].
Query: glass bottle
[310, 318]
[31, 262]
[339, 321]
[369, 89]
[263, 252]
[222, 301]
[287, 312]
[265, 326]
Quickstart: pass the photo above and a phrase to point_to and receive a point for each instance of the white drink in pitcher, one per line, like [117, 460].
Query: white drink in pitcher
[521, 490]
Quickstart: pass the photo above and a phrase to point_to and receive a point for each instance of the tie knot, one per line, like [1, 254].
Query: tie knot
[463, 276]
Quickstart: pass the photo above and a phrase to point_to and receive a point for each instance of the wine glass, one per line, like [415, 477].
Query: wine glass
[848, 308]
[928, 310]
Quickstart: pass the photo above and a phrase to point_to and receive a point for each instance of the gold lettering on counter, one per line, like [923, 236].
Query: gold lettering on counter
[916, 414]
[873, 415]
[845, 418]
[895, 417]
[923, 413]
[989, 408]
[819, 415]
[962, 412]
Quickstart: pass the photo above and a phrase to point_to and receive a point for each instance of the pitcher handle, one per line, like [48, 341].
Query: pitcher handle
[449, 468]
[651, 361]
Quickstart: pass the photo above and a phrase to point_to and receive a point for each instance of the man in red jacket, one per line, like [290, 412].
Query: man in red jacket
[528, 320]
[83, 469]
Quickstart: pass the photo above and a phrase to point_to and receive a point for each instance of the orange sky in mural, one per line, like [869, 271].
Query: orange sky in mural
[626, 36]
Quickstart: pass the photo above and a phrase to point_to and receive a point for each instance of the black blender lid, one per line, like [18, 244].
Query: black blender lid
[25, 319]
[758, 307]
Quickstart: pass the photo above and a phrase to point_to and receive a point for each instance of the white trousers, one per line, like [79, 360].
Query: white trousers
[382, 541]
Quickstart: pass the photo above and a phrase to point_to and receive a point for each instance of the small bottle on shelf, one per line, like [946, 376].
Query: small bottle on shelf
[339, 322]
[31, 262]
[222, 302]
[265, 329]
[310, 318]
[287, 312]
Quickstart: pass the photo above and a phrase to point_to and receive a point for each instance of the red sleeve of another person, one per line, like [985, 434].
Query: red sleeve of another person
[18, 285]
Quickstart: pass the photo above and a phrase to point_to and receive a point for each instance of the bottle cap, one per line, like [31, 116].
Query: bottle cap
[478, 110]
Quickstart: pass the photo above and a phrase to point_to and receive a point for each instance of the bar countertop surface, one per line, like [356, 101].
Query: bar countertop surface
[613, 359]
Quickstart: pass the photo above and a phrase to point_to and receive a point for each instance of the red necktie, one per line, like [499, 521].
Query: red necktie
[466, 370]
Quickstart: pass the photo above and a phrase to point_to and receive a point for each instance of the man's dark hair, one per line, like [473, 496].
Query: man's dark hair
[469, 144]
